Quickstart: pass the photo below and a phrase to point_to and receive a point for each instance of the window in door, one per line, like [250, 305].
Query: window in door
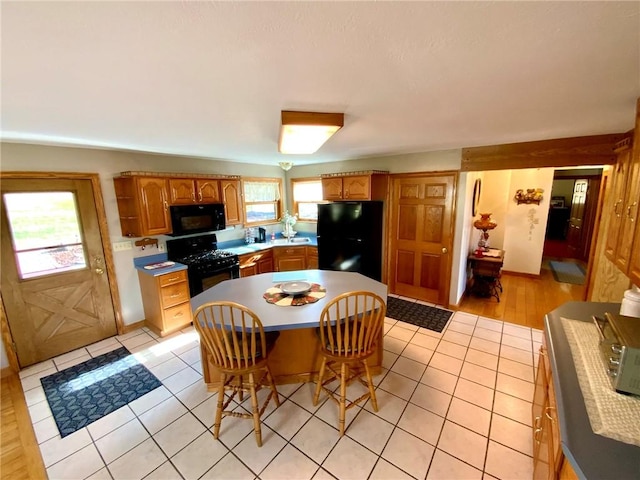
[50, 244]
[262, 200]
[307, 194]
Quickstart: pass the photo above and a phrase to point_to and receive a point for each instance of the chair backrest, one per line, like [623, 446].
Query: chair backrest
[231, 333]
[351, 323]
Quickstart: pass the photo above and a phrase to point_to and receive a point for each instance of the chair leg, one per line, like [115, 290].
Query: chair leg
[240, 389]
[316, 395]
[343, 396]
[218, 420]
[255, 409]
[372, 391]
[273, 386]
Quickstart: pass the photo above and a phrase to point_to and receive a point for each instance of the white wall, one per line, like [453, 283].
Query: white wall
[526, 224]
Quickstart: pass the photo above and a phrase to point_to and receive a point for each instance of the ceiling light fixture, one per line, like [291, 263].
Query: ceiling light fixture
[305, 132]
[286, 166]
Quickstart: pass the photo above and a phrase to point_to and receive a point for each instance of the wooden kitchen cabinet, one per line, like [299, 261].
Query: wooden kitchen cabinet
[142, 205]
[232, 198]
[290, 258]
[187, 191]
[355, 186]
[312, 258]
[549, 461]
[166, 301]
[623, 238]
[255, 263]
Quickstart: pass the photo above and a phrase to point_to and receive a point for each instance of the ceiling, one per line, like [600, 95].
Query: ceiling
[209, 79]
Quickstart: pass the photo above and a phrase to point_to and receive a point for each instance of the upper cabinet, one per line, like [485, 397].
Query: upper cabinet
[632, 221]
[142, 205]
[187, 191]
[144, 199]
[370, 185]
[232, 199]
[623, 237]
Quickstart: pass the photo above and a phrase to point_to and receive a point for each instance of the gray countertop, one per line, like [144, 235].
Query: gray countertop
[248, 291]
[591, 456]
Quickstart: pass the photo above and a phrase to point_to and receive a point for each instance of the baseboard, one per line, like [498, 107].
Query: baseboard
[520, 274]
[133, 326]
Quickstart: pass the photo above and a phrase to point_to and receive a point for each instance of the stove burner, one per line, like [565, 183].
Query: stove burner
[206, 257]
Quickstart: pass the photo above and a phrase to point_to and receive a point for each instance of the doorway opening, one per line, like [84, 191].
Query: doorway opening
[573, 207]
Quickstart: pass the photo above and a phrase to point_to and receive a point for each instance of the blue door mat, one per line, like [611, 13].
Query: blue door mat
[86, 392]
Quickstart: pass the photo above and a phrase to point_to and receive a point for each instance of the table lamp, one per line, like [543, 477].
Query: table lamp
[484, 224]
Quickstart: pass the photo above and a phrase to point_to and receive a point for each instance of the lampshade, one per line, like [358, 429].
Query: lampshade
[305, 132]
[286, 166]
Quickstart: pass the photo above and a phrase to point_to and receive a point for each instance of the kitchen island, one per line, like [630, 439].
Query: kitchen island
[295, 357]
[590, 455]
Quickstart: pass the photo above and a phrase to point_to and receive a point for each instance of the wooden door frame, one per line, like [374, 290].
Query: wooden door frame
[94, 178]
[390, 218]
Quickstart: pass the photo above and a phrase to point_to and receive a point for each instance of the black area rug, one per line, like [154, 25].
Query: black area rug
[84, 393]
[417, 314]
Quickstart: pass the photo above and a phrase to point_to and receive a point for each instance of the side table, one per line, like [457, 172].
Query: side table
[486, 274]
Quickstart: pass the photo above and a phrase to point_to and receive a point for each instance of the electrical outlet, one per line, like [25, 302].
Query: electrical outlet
[120, 246]
[161, 247]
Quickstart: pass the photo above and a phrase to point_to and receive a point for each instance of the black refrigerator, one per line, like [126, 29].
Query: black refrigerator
[350, 237]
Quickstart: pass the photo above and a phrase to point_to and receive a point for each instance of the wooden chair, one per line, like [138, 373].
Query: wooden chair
[350, 326]
[239, 348]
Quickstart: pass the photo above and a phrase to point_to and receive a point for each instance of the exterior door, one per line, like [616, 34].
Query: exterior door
[421, 229]
[55, 285]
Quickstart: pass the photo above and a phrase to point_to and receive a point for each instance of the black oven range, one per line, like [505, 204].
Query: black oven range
[206, 265]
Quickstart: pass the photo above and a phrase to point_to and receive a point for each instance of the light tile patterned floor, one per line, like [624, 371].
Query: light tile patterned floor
[453, 405]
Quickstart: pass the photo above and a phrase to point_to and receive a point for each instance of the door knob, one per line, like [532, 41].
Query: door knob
[445, 250]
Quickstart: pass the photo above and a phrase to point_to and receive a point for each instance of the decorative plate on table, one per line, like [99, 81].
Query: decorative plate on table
[295, 288]
[310, 294]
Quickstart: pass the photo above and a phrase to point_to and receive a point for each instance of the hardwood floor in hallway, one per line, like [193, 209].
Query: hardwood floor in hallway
[525, 300]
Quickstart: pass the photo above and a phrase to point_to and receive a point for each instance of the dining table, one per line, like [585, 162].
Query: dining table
[295, 357]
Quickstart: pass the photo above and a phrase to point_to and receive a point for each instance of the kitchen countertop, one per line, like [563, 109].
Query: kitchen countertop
[248, 291]
[240, 248]
[234, 246]
[591, 456]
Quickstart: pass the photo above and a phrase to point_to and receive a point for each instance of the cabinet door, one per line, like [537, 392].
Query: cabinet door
[542, 461]
[620, 174]
[265, 264]
[182, 191]
[356, 188]
[154, 209]
[287, 264]
[332, 188]
[208, 191]
[312, 258]
[232, 201]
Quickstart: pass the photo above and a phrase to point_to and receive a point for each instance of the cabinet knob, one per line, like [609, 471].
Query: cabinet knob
[615, 208]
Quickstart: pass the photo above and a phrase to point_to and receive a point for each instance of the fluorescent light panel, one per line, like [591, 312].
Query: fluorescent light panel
[305, 132]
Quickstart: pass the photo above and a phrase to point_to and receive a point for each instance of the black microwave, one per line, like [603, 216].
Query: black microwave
[188, 219]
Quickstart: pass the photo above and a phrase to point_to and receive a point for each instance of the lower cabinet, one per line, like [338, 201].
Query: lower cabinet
[312, 258]
[255, 263]
[165, 298]
[290, 258]
[548, 460]
[279, 259]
